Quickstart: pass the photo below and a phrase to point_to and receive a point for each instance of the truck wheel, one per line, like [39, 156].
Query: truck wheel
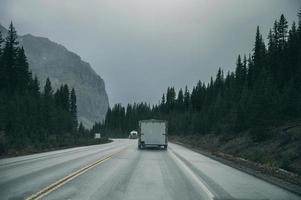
[165, 147]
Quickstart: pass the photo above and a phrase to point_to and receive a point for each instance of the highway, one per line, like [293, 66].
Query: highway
[119, 171]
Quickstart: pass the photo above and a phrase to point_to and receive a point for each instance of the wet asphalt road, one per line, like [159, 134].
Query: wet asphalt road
[132, 174]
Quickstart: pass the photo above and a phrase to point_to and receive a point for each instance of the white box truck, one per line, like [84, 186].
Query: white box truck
[152, 133]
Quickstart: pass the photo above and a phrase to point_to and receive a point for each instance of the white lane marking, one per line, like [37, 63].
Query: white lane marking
[193, 176]
[37, 156]
[45, 191]
[53, 155]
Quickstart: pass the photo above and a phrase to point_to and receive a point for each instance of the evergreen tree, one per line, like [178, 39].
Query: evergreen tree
[170, 98]
[81, 129]
[259, 54]
[73, 109]
[282, 32]
[22, 73]
[180, 100]
[35, 86]
[218, 84]
[240, 74]
[162, 104]
[186, 98]
[48, 122]
[1, 42]
[299, 24]
[48, 92]
[9, 59]
[2, 69]
[163, 99]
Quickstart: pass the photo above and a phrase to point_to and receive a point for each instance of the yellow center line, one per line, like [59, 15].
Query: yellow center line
[45, 191]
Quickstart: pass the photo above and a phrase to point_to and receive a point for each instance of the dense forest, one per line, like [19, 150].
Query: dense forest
[263, 91]
[31, 118]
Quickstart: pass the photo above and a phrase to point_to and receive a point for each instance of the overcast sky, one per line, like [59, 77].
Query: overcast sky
[140, 47]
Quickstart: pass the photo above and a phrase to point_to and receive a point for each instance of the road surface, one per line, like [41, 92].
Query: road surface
[119, 171]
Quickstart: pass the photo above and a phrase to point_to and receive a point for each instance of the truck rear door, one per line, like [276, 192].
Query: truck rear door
[154, 133]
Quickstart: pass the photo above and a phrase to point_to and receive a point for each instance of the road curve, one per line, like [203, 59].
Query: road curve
[119, 171]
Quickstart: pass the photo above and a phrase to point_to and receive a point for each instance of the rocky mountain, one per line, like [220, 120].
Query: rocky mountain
[49, 59]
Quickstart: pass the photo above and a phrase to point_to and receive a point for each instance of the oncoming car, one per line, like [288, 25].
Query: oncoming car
[133, 135]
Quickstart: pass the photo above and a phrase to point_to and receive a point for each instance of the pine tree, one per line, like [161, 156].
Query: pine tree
[163, 99]
[276, 34]
[9, 59]
[282, 32]
[299, 21]
[81, 129]
[186, 98]
[219, 79]
[283, 73]
[292, 51]
[1, 39]
[258, 55]
[48, 92]
[162, 104]
[244, 68]
[48, 106]
[1, 43]
[250, 72]
[73, 109]
[22, 73]
[240, 74]
[65, 98]
[35, 87]
[2, 70]
[180, 100]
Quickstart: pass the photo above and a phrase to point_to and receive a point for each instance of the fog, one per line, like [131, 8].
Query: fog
[140, 47]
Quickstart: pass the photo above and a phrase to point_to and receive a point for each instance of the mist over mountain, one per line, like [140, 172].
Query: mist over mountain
[49, 59]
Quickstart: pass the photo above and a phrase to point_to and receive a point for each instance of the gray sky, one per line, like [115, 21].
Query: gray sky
[140, 47]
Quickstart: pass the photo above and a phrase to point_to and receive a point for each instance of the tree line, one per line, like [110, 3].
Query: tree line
[32, 118]
[263, 91]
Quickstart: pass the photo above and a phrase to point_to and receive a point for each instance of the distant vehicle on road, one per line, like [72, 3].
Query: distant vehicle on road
[133, 135]
[152, 133]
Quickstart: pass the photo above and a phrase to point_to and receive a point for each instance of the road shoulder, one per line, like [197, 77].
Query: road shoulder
[249, 167]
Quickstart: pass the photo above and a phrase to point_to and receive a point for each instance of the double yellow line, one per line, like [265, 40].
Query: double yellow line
[45, 191]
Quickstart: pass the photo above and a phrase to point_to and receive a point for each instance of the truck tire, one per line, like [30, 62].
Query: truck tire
[165, 147]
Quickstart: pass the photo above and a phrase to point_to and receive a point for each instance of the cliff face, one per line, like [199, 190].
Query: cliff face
[49, 59]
